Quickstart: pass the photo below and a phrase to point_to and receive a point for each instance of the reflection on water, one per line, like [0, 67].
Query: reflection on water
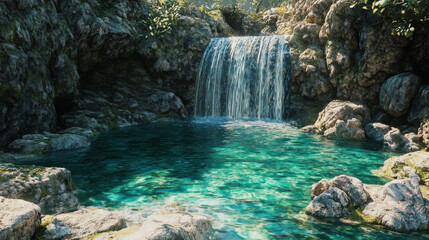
[253, 177]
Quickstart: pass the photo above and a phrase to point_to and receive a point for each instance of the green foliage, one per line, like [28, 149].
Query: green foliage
[161, 18]
[404, 14]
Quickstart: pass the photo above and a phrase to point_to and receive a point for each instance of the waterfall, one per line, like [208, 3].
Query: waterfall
[244, 77]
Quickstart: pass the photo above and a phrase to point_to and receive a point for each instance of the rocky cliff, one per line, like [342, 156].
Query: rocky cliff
[86, 64]
[339, 52]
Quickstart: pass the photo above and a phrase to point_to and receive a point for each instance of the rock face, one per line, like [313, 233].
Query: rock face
[419, 161]
[397, 93]
[89, 60]
[174, 226]
[341, 119]
[82, 224]
[331, 198]
[50, 188]
[399, 205]
[19, 219]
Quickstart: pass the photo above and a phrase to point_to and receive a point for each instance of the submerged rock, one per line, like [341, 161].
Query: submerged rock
[399, 205]
[341, 119]
[18, 219]
[395, 166]
[397, 93]
[50, 142]
[50, 188]
[82, 224]
[186, 226]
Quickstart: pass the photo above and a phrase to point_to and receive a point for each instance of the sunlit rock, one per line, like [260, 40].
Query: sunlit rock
[18, 219]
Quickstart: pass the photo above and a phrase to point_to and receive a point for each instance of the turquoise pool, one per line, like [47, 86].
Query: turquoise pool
[253, 177]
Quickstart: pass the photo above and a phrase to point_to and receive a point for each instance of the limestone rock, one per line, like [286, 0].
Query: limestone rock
[50, 188]
[342, 119]
[399, 205]
[352, 129]
[395, 141]
[82, 223]
[331, 203]
[397, 93]
[394, 166]
[351, 186]
[19, 219]
[166, 226]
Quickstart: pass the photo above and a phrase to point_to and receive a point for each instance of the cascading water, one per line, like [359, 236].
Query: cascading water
[244, 77]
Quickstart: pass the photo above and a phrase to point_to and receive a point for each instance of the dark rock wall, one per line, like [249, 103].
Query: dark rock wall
[54, 54]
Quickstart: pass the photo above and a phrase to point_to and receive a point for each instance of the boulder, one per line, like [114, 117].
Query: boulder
[394, 167]
[50, 188]
[352, 129]
[399, 205]
[49, 142]
[18, 219]
[351, 186]
[397, 93]
[184, 226]
[332, 203]
[395, 141]
[341, 119]
[376, 131]
[82, 224]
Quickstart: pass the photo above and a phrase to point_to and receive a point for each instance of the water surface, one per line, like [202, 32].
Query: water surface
[253, 177]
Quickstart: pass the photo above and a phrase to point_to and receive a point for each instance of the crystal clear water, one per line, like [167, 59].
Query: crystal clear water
[244, 77]
[253, 177]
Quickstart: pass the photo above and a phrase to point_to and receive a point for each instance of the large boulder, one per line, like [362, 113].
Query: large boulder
[50, 188]
[82, 224]
[396, 141]
[333, 198]
[376, 131]
[341, 119]
[352, 186]
[18, 219]
[394, 167]
[178, 225]
[333, 203]
[397, 93]
[399, 205]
